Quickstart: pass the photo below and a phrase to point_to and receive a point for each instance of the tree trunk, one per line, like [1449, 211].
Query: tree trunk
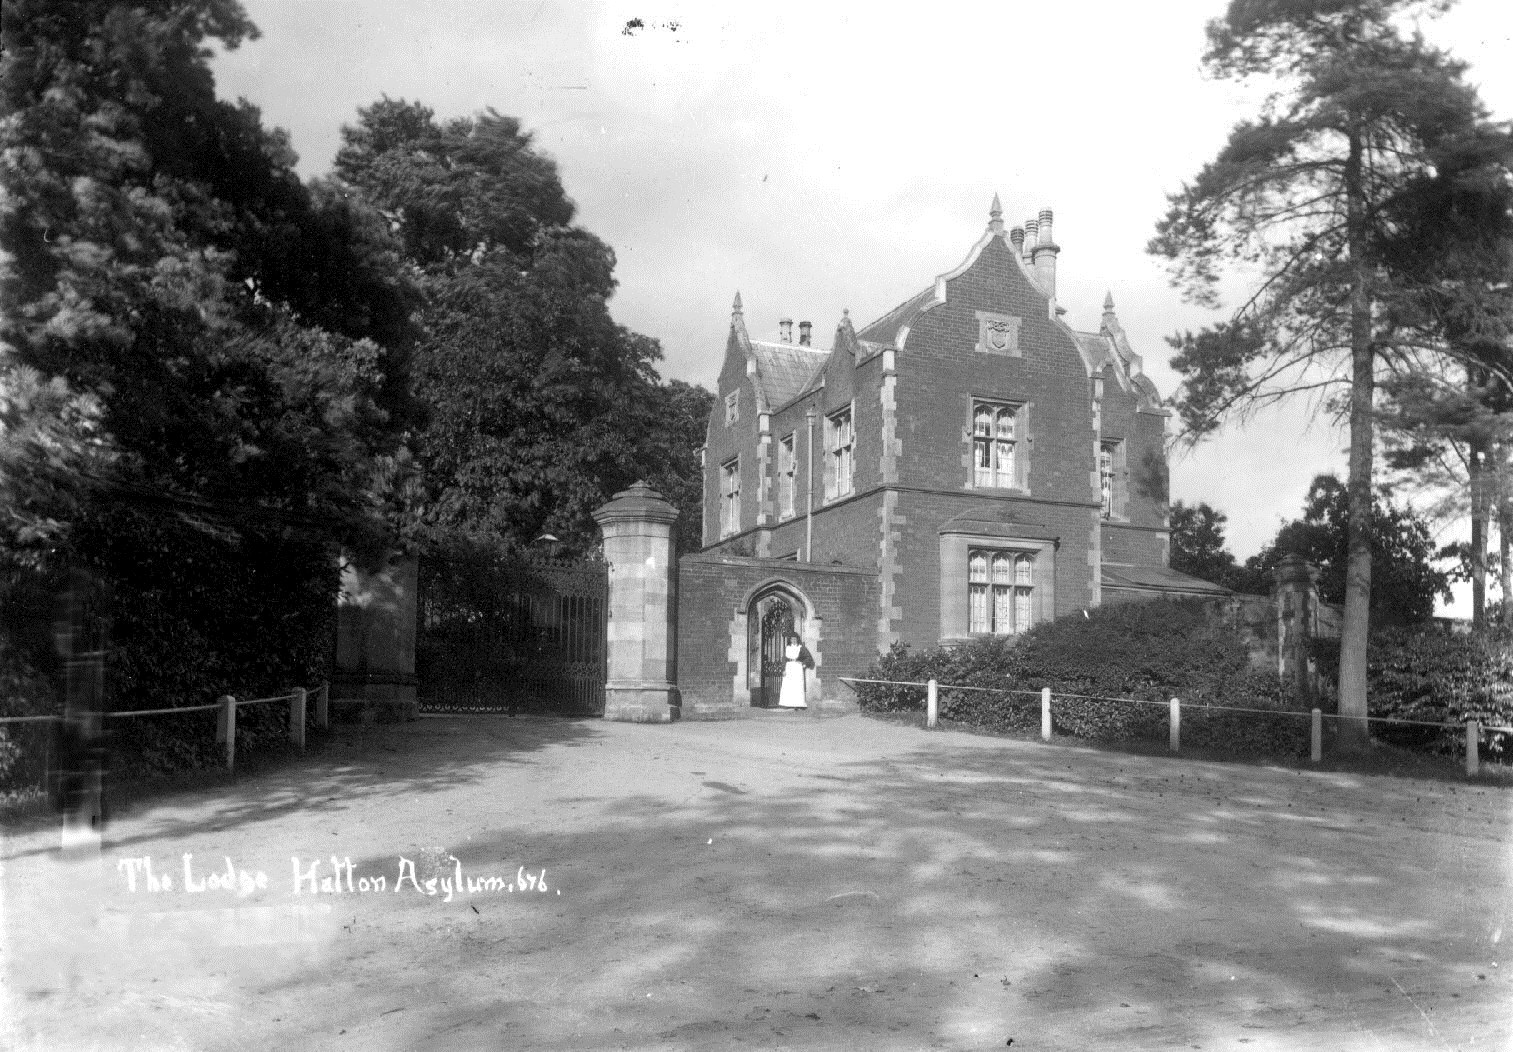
[1355, 633]
[1504, 571]
[1481, 509]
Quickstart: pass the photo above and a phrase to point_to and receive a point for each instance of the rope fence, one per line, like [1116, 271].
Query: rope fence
[1473, 729]
[226, 706]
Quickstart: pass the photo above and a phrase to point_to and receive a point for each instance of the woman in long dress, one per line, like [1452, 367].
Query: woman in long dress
[792, 694]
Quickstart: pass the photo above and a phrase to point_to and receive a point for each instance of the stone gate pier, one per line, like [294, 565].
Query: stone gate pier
[641, 656]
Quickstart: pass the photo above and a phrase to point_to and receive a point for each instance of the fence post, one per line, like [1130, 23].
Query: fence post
[932, 702]
[1175, 737]
[225, 729]
[323, 707]
[297, 717]
[1473, 739]
[1045, 714]
[1316, 737]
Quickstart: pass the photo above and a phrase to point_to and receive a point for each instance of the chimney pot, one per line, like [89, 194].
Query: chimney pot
[1045, 227]
[1031, 234]
[804, 331]
[785, 328]
[1016, 238]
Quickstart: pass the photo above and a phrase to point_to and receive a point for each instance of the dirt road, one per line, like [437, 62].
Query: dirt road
[786, 882]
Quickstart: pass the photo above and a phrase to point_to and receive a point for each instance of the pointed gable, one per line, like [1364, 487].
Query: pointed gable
[785, 370]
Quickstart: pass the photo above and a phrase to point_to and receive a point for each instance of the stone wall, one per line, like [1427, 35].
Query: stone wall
[715, 598]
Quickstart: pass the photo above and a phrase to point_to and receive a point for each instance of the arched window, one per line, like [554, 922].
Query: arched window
[994, 445]
[1000, 586]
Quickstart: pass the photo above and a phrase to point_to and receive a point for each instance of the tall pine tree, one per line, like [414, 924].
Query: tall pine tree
[1294, 201]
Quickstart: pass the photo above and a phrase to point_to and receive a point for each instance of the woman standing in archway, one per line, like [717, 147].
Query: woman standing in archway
[792, 695]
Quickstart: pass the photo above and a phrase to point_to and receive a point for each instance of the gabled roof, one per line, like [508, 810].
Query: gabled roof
[885, 329]
[785, 370]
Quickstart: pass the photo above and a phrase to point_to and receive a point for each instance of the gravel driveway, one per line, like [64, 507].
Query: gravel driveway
[781, 882]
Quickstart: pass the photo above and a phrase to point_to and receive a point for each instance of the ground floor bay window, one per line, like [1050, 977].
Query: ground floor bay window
[1000, 591]
[993, 585]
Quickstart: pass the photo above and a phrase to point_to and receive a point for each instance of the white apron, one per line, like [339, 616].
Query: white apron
[792, 694]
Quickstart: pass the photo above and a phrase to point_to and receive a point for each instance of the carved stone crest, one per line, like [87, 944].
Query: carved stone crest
[997, 333]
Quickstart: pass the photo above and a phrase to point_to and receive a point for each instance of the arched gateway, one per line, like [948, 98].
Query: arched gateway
[775, 610]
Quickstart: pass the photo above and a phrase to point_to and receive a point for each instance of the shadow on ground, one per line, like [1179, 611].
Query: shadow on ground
[348, 764]
[953, 896]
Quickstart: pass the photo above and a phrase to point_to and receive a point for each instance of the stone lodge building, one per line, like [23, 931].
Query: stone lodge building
[967, 464]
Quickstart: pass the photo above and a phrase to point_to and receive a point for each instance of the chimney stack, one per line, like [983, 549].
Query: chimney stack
[804, 330]
[1045, 253]
[1031, 237]
[785, 328]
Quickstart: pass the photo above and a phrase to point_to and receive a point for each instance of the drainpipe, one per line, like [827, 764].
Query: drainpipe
[809, 497]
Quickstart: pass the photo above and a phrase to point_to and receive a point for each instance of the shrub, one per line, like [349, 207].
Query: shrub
[1440, 677]
[1141, 651]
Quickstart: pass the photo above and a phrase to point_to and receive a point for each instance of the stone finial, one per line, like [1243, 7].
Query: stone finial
[735, 308]
[1108, 302]
[995, 216]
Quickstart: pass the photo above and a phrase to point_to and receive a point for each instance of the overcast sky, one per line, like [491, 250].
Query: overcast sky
[819, 158]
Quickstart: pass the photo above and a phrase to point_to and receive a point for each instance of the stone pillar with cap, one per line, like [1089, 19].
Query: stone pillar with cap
[638, 545]
[1296, 598]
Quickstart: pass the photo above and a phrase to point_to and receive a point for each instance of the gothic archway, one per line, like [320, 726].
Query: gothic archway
[773, 613]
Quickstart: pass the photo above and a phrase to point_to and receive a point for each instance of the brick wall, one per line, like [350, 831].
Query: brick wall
[714, 597]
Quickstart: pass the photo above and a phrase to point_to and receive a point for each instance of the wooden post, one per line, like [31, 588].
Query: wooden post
[1473, 739]
[1175, 737]
[297, 718]
[1045, 714]
[225, 729]
[932, 702]
[1316, 737]
[323, 707]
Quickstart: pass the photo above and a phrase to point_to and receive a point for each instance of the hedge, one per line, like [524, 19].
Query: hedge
[1143, 651]
[1436, 676]
[1186, 649]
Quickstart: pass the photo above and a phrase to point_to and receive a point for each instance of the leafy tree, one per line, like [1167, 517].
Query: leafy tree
[1197, 543]
[1404, 579]
[540, 405]
[1455, 439]
[680, 419]
[1449, 427]
[203, 359]
[1295, 199]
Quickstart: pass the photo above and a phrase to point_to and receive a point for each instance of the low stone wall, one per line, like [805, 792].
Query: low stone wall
[715, 597]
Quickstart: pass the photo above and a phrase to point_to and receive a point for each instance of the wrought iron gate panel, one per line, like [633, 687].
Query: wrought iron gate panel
[512, 637]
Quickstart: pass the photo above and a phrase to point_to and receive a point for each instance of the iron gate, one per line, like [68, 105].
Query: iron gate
[497, 636]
